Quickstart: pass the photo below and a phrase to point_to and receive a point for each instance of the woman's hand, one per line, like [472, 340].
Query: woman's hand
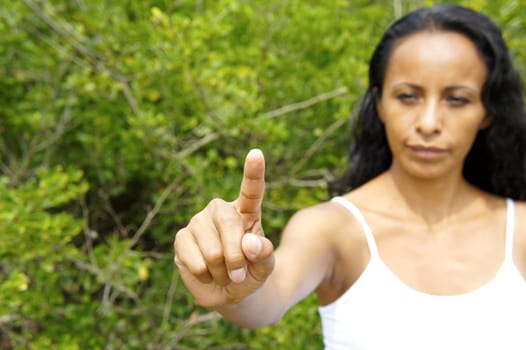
[223, 255]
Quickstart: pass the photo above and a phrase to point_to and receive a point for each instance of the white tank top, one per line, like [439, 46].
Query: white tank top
[380, 312]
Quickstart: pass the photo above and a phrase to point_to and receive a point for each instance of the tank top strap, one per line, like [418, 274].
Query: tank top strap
[510, 228]
[359, 216]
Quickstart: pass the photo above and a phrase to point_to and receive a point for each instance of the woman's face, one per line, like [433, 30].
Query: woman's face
[431, 103]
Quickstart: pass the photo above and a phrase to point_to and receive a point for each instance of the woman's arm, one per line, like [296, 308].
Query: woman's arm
[227, 263]
[303, 260]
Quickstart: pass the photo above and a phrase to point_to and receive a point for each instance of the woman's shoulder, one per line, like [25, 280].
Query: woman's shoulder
[520, 236]
[329, 227]
[520, 223]
[332, 221]
[326, 217]
[328, 222]
[521, 206]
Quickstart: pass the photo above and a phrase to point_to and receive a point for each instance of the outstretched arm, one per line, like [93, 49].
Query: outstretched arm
[228, 264]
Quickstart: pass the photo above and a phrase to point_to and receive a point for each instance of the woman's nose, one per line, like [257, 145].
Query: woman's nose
[429, 120]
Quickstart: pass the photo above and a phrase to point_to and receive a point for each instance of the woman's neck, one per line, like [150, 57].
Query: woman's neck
[435, 201]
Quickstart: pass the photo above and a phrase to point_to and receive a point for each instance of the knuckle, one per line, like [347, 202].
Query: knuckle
[199, 271]
[229, 220]
[215, 203]
[181, 239]
[223, 282]
[250, 195]
[179, 236]
[178, 262]
[214, 257]
[196, 220]
[235, 259]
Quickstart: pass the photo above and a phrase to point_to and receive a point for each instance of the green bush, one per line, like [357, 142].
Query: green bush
[121, 119]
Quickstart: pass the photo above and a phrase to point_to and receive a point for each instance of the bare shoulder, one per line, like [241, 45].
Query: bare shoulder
[520, 208]
[520, 236]
[323, 223]
[327, 244]
[520, 223]
[308, 250]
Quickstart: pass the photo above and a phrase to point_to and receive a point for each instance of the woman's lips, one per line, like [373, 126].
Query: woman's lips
[427, 152]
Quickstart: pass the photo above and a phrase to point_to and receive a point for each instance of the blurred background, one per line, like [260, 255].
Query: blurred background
[121, 119]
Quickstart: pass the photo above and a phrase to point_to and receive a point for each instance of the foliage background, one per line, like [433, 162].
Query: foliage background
[120, 119]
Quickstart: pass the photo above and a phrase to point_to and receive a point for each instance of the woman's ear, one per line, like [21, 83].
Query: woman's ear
[488, 119]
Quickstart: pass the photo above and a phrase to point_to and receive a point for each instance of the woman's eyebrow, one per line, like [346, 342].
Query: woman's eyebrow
[462, 87]
[447, 88]
[407, 84]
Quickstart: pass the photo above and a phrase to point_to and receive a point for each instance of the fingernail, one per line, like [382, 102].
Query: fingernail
[257, 247]
[237, 275]
[253, 152]
[252, 245]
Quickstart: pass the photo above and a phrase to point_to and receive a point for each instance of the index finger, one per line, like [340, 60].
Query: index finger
[253, 183]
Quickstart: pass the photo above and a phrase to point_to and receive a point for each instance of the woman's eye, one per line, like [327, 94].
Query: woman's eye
[458, 100]
[407, 97]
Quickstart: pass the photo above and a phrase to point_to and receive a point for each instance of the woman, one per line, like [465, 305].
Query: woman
[424, 249]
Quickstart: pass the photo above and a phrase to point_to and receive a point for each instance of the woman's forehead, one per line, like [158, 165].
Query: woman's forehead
[444, 56]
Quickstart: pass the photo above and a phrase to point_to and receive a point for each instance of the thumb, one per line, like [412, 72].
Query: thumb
[259, 252]
[256, 248]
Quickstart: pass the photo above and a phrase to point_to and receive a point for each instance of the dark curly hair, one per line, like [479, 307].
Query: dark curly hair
[496, 162]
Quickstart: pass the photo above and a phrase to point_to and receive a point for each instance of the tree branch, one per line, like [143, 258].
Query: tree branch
[187, 151]
[307, 103]
[318, 144]
[152, 214]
